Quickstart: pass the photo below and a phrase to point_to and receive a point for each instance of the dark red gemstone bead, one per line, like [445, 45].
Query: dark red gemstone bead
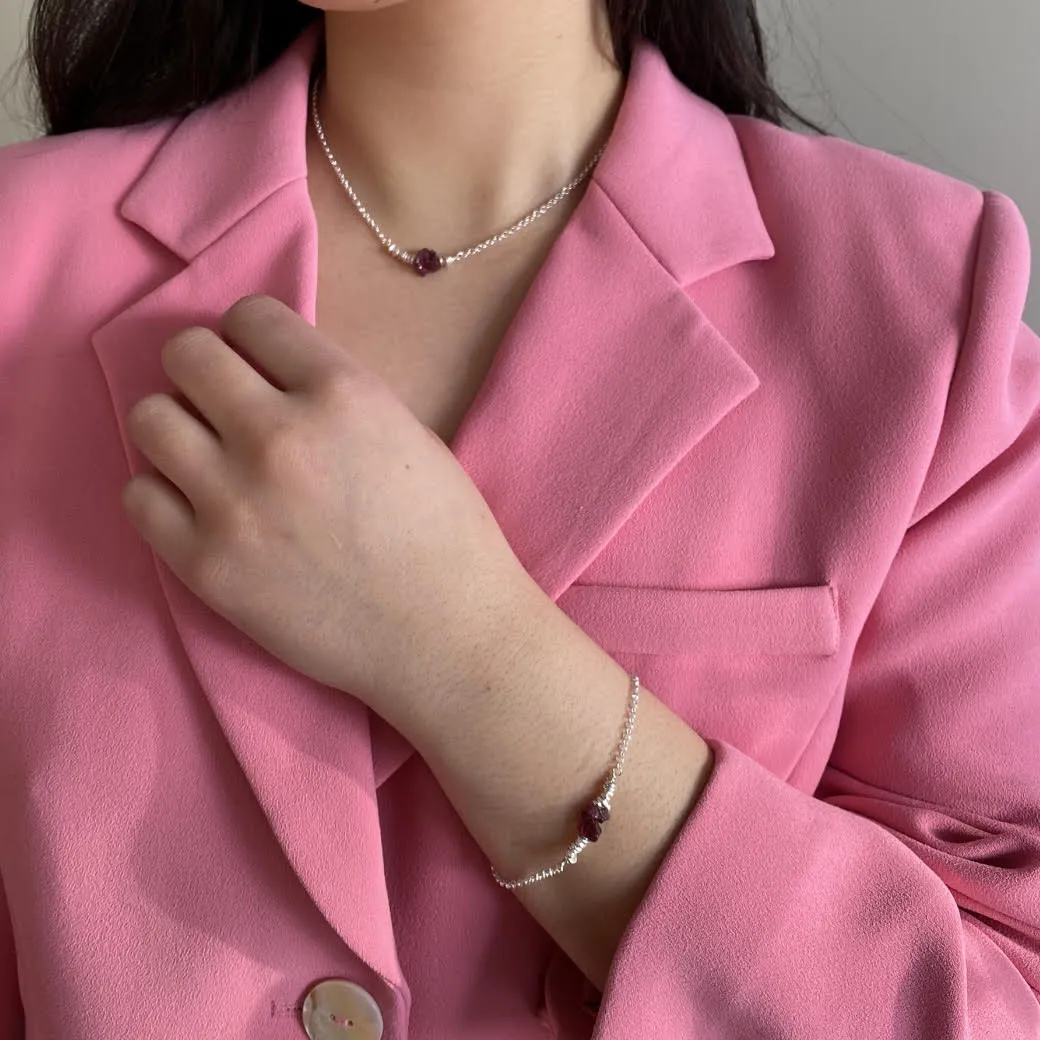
[593, 817]
[426, 262]
[589, 828]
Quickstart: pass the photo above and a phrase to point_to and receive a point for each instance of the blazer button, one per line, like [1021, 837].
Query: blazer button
[339, 1010]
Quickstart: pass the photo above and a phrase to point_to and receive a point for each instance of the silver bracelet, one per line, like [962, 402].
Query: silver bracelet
[595, 814]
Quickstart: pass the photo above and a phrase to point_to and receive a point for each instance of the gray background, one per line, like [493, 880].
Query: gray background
[953, 84]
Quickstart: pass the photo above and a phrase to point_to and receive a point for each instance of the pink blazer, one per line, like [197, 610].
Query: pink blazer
[766, 427]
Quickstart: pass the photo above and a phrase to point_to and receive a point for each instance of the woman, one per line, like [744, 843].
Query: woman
[626, 629]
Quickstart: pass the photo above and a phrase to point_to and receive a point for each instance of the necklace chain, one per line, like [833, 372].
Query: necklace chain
[426, 261]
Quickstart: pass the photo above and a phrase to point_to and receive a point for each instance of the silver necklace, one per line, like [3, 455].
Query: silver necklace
[427, 261]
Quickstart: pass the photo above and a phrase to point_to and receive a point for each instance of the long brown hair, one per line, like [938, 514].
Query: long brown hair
[107, 63]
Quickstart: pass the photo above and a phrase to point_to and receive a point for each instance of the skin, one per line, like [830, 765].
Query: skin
[458, 115]
[312, 509]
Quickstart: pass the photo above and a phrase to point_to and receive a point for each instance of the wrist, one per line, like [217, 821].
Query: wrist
[549, 708]
[482, 663]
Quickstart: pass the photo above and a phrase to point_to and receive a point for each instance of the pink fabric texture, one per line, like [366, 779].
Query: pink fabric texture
[766, 426]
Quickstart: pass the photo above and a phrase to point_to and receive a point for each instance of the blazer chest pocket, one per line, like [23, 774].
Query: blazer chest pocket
[801, 620]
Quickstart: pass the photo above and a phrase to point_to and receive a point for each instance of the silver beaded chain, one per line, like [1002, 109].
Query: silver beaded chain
[426, 261]
[605, 797]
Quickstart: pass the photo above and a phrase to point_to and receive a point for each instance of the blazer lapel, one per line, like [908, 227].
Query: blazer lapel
[305, 749]
[608, 376]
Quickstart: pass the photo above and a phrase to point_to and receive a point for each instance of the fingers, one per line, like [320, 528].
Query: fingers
[296, 355]
[162, 515]
[180, 447]
[225, 389]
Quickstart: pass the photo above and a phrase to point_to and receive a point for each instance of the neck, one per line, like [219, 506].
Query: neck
[454, 118]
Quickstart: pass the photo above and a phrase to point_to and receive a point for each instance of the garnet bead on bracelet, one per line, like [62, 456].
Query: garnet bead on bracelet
[596, 813]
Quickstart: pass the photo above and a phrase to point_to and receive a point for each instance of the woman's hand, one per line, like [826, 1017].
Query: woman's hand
[318, 515]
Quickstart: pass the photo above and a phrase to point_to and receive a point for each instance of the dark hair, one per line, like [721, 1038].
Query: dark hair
[106, 63]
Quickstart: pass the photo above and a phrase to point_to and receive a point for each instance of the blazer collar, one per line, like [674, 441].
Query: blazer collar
[608, 377]
[673, 166]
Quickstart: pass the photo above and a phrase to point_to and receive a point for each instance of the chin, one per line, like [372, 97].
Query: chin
[351, 5]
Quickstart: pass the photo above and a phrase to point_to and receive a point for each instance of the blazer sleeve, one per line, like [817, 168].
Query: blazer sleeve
[902, 898]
